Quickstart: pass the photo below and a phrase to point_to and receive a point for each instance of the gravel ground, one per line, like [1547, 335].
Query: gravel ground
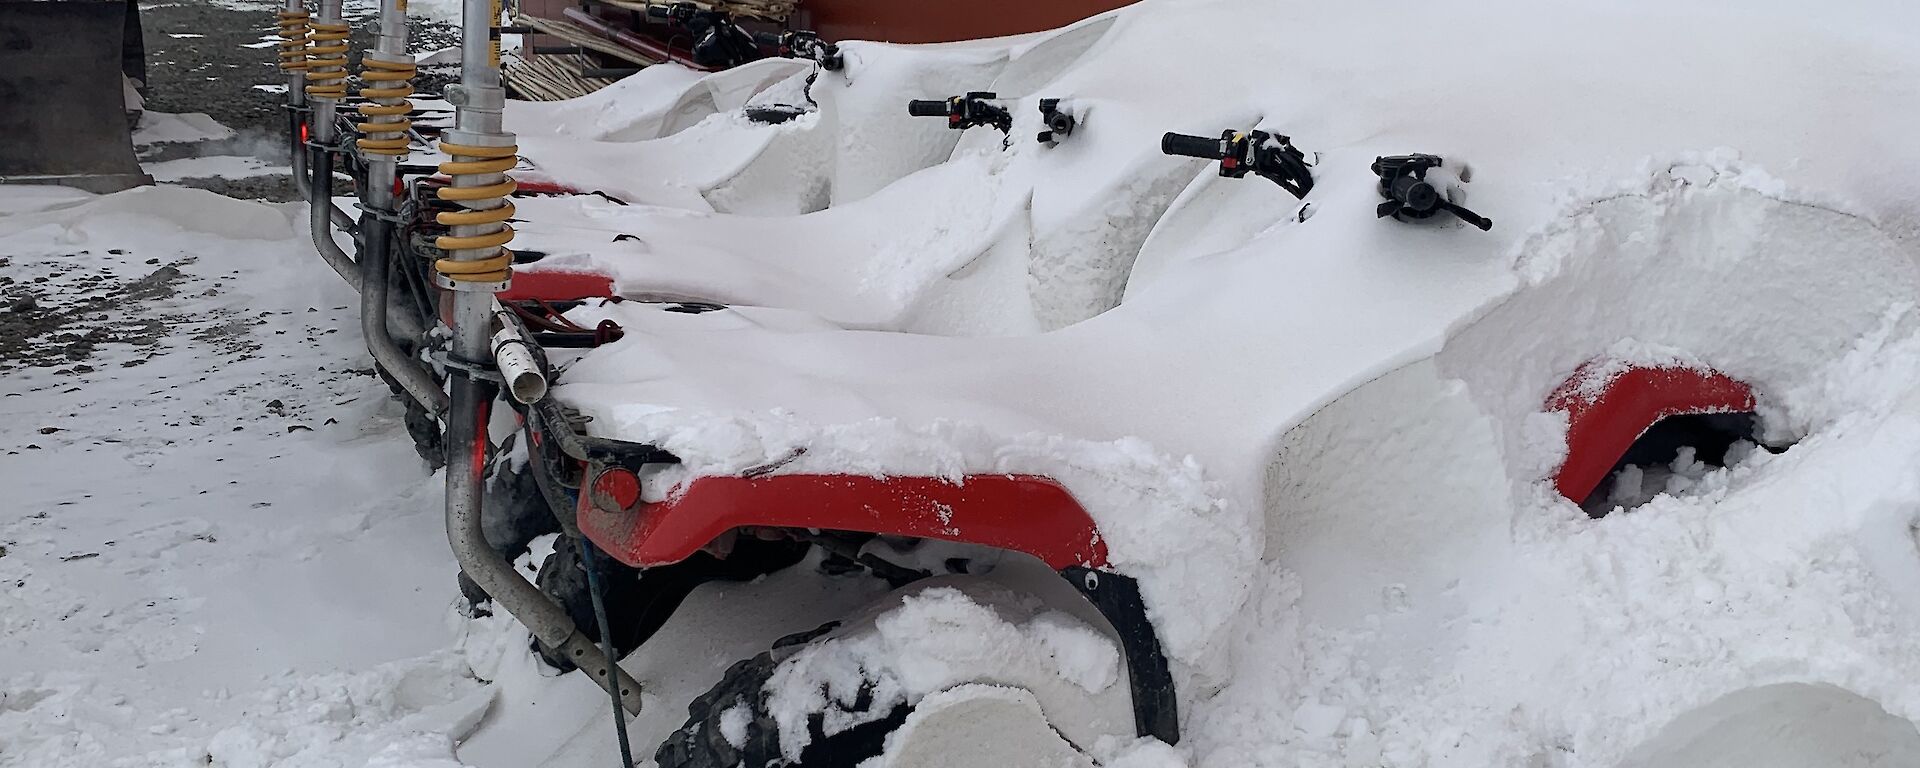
[199, 60]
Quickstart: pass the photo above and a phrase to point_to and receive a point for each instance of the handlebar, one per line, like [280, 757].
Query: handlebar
[769, 39]
[1203, 147]
[927, 108]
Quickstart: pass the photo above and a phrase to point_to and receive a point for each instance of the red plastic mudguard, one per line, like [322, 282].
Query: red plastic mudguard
[1603, 421]
[1023, 513]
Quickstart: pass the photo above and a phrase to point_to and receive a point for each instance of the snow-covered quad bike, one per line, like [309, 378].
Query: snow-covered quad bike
[1190, 397]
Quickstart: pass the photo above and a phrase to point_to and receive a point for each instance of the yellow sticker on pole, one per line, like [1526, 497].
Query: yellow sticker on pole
[493, 44]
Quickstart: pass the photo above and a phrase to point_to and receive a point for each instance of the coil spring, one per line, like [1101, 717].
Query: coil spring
[471, 160]
[327, 60]
[293, 40]
[385, 132]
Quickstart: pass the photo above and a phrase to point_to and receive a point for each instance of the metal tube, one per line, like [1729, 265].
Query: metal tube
[413, 376]
[319, 204]
[299, 148]
[479, 100]
[513, 355]
[296, 102]
[320, 167]
[377, 242]
[324, 110]
[466, 470]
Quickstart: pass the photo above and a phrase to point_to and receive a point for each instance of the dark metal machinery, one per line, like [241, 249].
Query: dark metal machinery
[65, 114]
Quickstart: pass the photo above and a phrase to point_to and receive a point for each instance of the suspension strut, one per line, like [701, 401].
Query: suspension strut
[386, 81]
[326, 74]
[327, 54]
[476, 266]
[293, 61]
[293, 37]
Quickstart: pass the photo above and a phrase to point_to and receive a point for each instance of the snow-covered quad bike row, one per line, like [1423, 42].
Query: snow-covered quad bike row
[769, 310]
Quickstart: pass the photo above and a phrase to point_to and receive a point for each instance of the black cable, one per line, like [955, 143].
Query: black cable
[592, 561]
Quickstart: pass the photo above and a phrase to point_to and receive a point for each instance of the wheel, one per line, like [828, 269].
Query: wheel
[639, 602]
[732, 723]
[513, 511]
[1024, 685]
[428, 439]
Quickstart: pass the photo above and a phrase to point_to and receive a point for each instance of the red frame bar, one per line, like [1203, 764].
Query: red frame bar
[556, 285]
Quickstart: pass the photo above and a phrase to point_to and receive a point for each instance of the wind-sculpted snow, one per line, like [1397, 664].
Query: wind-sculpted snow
[1317, 438]
[1340, 419]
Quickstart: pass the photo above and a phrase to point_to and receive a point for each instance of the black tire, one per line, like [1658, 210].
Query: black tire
[701, 743]
[513, 511]
[640, 602]
[428, 440]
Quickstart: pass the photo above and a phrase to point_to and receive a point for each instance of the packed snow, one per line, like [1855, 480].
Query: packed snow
[1317, 438]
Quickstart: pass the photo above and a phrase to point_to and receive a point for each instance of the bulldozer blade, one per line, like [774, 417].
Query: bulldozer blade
[65, 120]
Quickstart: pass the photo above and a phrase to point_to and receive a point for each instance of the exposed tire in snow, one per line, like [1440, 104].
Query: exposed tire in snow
[639, 602]
[513, 511]
[952, 660]
[428, 440]
[732, 724]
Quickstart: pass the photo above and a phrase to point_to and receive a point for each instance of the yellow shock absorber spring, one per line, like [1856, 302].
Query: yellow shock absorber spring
[471, 160]
[293, 40]
[386, 85]
[327, 60]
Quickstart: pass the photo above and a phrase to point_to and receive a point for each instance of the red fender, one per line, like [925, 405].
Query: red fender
[1603, 420]
[538, 187]
[1022, 513]
[557, 285]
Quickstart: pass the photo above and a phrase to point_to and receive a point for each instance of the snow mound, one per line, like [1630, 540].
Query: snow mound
[937, 639]
[159, 127]
[1783, 726]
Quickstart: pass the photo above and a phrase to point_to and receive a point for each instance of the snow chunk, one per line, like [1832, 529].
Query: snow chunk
[934, 640]
[158, 127]
[420, 750]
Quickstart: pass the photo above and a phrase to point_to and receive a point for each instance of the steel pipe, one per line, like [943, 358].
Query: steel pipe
[525, 381]
[296, 106]
[376, 249]
[320, 175]
[320, 223]
[479, 100]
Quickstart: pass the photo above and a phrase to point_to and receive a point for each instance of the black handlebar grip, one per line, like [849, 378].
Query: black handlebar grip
[1203, 147]
[769, 39]
[927, 108]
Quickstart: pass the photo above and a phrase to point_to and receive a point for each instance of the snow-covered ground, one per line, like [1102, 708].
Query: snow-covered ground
[216, 548]
[221, 548]
[1316, 437]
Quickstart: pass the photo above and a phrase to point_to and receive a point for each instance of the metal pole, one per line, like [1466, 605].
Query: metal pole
[479, 100]
[320, 151]
[377, 197]
[297, 104]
